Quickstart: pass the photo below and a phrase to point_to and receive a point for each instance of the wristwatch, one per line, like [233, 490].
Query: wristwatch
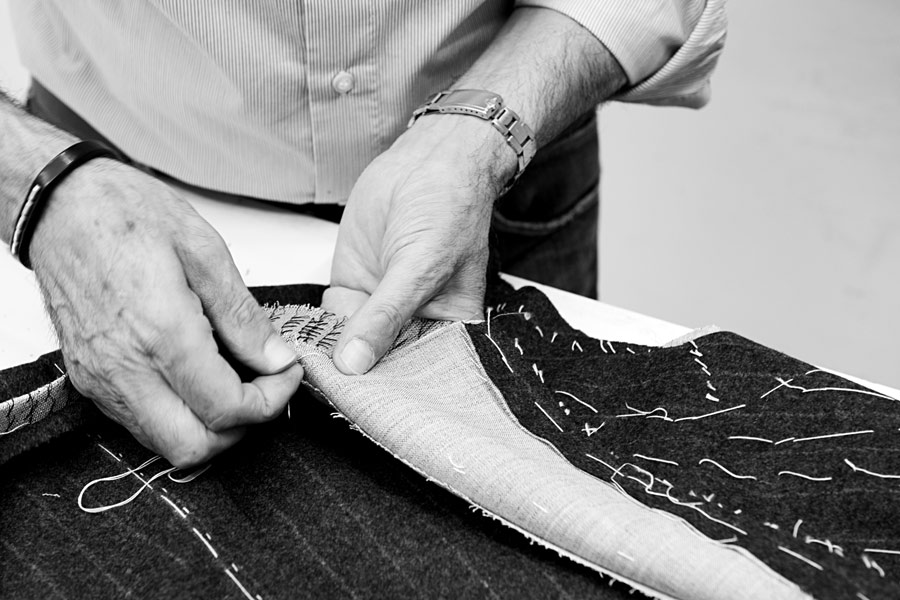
[488, 106]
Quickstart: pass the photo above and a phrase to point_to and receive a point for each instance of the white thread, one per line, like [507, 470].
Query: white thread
[834, 389]
[871, 564]
[861, 596]
[239, 584]
[710, 386]
[645, 413]
[503, 356]
[783, 441]
[749, 437]
[539, 506]
[546, 414]
[668, 462]
[797, 526]
[518, 347]
[771, 525]
[572, 396]
[832, 548]
[872, 473]
[16, 428]
[48, 494]
[456, 467]
[711, 461]
[738, 511]
[708, 498]
[630, 350]
[603, 462]
[711, 397]
[192, 476]
[780, 385]
[206, 542]
[718, 412]
[108, 451]
[235, 567]
[539, 330]
[833, 435]
[592, 430]
[175, 507]
[728, 540]
[538, 372]
[801, 475]
[611, 346]
[554, 337]
[575, 344]
[801, 557]
[185, 509]
[489, 326]
[701, 363]
[625, 556]
[602, 347]
[146, 484]
[706, 372]
[881, 551]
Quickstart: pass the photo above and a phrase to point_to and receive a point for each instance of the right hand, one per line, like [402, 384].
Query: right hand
[135, 281]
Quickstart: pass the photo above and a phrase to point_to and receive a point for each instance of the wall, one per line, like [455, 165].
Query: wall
[774, 211]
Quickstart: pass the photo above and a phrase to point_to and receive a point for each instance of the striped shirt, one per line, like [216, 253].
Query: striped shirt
[289, 100]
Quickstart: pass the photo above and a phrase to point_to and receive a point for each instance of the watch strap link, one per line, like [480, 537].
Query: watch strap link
[490, 107]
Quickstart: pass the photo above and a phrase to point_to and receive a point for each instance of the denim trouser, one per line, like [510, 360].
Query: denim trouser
[544, 229]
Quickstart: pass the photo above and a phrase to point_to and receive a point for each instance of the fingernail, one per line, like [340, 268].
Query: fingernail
[278, 353]
[358, 356]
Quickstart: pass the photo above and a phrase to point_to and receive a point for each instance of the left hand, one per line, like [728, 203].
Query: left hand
[414, 236]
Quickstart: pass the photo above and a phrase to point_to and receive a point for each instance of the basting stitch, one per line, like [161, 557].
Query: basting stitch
[804, 476]
[710, 386]
[206, 542]
[625, 556]
[539, 506]
[711, 461]
[833, 389]
[780, 385]
[108, 451]
[572, 396]
[797, 526]
[783, 441]
[833, 435]
[871, 564]
[718, 412]
[518, 347]
[711, 397]
[801, 557]
[175, 507]
[701, 363]
[668, 462]
[538, 372]
[832, 548]
[240, 585]
[575, 344]
[539, 331]
[867, 472]
[749, 437]
[546, 414]
[554, 337]
[503, 356]
[592, 430]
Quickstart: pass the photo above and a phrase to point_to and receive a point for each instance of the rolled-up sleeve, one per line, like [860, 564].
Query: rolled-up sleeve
[667, 48]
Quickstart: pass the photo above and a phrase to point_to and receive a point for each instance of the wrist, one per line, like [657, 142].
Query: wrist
[471, 146]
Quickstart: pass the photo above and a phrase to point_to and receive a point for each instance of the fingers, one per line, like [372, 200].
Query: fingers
[403, 292]
[239, 321]
[342, 301]
[170, 428]
[212, 389]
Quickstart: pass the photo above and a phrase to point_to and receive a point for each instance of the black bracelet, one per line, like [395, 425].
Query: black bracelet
[42, 186]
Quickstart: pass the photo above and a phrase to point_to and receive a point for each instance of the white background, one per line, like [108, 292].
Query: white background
[773, 212]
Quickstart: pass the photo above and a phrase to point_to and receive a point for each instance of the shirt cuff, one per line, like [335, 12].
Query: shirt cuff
[667, 48]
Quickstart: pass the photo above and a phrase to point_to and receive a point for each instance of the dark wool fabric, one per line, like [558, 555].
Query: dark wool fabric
[646, 431]
[302, 508]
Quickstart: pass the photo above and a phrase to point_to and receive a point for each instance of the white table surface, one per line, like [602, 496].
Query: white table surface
[273, 246]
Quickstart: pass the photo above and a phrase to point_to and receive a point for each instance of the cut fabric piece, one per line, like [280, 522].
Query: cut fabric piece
[750, 446]
[431, 404]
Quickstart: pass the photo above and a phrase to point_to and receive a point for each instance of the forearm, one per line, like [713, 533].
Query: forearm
[547, 68]
[27, 144]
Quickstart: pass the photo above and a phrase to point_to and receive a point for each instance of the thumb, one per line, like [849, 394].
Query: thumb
[371, 330]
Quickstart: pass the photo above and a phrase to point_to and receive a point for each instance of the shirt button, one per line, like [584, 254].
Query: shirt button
[343, 82]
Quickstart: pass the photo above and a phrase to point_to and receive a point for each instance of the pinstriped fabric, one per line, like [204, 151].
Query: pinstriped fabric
[244, 98]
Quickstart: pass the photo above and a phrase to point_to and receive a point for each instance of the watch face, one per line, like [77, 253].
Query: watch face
[484, 104]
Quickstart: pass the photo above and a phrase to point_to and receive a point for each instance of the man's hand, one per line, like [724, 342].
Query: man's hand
[136, 283]
[414, 237]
